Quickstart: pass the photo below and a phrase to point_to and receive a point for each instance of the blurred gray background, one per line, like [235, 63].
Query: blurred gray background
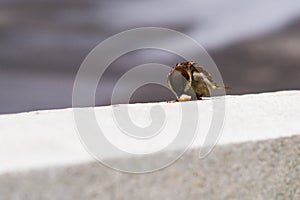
[255, 44]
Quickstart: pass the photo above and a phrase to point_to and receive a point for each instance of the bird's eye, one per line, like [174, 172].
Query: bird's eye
[177, 64]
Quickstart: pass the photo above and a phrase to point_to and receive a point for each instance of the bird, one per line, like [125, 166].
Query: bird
[190, 81]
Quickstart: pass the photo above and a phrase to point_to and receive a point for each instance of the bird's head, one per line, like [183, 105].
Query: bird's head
[179, 78]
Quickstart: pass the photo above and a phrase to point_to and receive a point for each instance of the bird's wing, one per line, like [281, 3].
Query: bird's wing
[201, 69]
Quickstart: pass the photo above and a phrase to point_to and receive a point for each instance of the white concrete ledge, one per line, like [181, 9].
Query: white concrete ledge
[251, 170]
[257, 157]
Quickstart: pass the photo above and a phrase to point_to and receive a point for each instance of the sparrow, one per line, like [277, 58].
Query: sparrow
[190, 81]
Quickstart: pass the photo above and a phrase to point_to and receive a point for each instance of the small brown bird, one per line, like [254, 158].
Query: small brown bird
[189, 80]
